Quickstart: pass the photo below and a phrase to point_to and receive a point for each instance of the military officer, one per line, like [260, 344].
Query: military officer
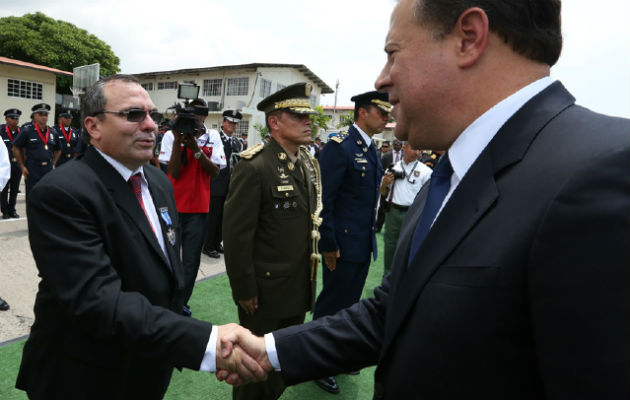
[67, 137]
[270, 227]
[351, 176]
[9, 133]
[36, 148]
[219, 186]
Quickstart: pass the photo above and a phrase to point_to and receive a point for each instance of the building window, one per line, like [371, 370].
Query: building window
[265, 88]
[25, 89]
[237, 86]
[212, 87]
[147, 86]
[280, 86]
[242, 127]
[313, 100]
[167, 85]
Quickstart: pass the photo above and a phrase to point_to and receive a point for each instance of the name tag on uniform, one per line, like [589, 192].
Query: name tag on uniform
[360, 160]
[285, 188]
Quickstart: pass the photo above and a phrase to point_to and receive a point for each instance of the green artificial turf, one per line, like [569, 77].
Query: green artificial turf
[212, 301]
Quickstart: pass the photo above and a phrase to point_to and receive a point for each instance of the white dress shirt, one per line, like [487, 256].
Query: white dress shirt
[210, 138]
[5, 166]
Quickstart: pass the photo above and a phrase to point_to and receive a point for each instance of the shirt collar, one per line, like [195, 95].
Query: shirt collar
[474, 139]
[366, 138]
[125, 172]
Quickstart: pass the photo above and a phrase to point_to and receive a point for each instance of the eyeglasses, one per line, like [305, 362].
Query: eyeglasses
[134, 114]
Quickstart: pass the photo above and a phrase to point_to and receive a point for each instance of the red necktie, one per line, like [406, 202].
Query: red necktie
[136, 185]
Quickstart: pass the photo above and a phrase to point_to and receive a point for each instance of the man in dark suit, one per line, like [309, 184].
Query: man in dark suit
[220, 185]
[104, 235]
[519, 289]
[351, 176]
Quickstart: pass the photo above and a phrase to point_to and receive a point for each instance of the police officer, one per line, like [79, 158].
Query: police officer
[9, 133]
[351, 176]
[36, 148]
[271, 218]
[67, 137]
[219, 186]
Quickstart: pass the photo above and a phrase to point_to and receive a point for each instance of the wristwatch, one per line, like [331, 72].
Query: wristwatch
[197, 155]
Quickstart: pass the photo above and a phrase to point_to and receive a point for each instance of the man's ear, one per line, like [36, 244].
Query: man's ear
[92, 125]
[472, 31]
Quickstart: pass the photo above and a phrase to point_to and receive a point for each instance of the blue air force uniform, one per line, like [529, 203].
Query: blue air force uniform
[9, 193]
[351, 175]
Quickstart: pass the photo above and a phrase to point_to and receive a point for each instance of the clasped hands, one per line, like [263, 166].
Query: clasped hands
[241, 356]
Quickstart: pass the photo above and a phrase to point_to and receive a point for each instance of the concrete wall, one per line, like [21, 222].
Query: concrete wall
[47, 79]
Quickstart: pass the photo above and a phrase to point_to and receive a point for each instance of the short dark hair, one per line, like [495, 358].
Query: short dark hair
[531, 27]
[357, 107]
[94, 100]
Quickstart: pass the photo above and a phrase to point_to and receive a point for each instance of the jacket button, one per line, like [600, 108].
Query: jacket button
[345, 231]
[268, 273]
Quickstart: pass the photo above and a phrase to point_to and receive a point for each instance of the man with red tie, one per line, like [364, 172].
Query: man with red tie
[9, 132]
[67, 137]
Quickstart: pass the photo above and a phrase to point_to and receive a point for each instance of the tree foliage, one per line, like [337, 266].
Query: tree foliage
[319, 121]
[39, 39]
[346, 120]
[261, 129]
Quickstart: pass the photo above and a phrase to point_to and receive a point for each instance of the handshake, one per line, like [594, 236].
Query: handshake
[241, 356]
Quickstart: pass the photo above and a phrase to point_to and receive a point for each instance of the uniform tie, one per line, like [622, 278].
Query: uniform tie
[438, 188]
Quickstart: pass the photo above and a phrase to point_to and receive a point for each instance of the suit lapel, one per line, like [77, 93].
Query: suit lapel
[124, 198]
[473, 197]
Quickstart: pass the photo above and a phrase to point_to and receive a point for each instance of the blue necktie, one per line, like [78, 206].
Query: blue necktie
[438, 188]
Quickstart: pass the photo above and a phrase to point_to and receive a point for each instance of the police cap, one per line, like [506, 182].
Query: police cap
[293, 98]
[13, 113]
[65, 113]
[41, 108]
[374, 98]
[232, 116]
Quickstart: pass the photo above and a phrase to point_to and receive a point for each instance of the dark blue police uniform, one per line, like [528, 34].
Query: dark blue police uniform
[67, 140]
[8, 197]
[39, 153]
[351, 175]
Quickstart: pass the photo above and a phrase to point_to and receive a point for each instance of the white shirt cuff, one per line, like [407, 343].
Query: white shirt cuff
[272, 354]
[209, 362]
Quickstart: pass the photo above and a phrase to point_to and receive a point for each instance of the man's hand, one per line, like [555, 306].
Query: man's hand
[234, 365]
[238, 348]
[331, 258]
[25, 172]
[249, 305]
[387, 180]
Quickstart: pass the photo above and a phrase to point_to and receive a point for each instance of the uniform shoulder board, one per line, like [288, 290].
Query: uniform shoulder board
[252, 151]
[339, 137]
[304, 150]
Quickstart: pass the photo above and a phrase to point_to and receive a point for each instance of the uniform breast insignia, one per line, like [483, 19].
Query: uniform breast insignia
[252, 151]
[339, 137]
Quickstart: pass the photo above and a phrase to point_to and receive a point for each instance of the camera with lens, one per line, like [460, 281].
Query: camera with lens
[397, 174]
[186, 122]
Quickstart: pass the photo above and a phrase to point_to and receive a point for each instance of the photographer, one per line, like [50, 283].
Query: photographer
[196, 156]
[401, 182]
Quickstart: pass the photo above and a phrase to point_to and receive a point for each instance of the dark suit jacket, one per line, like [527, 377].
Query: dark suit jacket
[107, 314]
[351, 176]
[519, 291]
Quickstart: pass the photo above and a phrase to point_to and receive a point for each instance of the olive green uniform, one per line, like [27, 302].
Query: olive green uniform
[267, 228]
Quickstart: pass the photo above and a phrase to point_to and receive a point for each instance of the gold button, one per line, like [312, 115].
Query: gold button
[345, 231]
[364, 168]
[268, 274]
[286, 195]
[362, 173]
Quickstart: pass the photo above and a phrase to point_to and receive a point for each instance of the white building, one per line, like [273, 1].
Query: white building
[23, 84]
[239, 87]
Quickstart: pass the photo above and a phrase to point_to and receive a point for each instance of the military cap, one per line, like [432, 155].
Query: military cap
[13, 113]
[40, 108]
[232, 115]
[65, 113]
[199, 106]
[293, 98]
[374, 98]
